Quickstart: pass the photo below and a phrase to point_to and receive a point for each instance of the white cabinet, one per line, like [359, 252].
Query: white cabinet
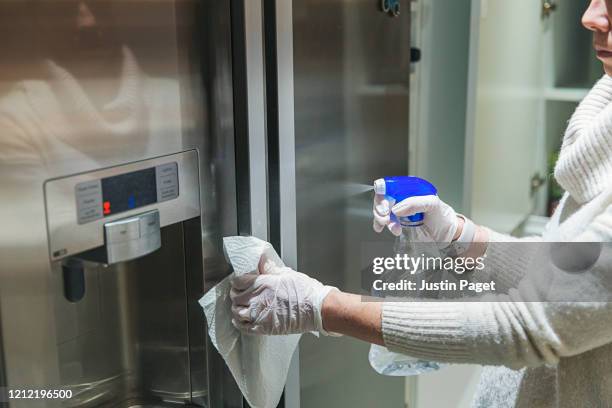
[503, 149]
[528, 72]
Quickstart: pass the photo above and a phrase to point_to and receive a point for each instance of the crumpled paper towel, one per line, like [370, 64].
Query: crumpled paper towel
[258, 363]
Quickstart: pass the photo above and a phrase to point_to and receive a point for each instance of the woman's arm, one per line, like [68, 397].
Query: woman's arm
[348, 314]
[552, 314]
[444, 225]
[512, 330]
[507, 258]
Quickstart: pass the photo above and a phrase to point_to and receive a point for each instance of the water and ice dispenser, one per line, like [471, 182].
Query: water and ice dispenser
[126, 246]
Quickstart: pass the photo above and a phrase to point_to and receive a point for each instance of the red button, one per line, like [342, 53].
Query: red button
[107, 207]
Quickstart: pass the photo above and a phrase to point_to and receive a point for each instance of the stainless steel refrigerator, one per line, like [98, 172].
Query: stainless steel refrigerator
[135, 134]
[118, 182]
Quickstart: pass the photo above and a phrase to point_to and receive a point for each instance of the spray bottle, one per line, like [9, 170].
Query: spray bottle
[413, 241]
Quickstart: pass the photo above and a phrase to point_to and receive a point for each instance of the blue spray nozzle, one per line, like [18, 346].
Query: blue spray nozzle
[400, 188]
[416, 217]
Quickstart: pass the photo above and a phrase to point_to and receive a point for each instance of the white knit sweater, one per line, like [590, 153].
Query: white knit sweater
[562, 351]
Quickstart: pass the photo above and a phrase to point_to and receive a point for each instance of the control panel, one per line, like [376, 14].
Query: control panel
[121, 208]
[112, 195]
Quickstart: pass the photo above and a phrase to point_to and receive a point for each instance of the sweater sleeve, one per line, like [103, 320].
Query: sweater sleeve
[506, 329]
[505, 264]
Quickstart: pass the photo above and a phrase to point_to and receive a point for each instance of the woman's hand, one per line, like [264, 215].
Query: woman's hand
[441, 221]
[277, 301]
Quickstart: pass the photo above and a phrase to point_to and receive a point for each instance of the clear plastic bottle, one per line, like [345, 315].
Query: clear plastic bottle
[414, 242]
[386, 362]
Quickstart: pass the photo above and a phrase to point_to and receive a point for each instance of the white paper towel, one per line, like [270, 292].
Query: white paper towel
[258, 363]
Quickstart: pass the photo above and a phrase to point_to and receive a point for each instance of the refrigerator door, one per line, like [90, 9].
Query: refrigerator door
[343, 115]
[91, 85]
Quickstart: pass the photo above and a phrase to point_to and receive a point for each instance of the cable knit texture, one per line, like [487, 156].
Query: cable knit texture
[506, 264]
[584, 168]
[561, 351]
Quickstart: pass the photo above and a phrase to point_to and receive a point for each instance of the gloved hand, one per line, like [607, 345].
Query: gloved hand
[277, 301]
[440, 221]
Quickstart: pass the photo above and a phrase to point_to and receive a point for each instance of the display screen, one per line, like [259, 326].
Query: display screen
[128, 191]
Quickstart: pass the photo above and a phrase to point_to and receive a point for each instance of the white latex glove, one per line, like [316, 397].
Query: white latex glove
[440, 219]
[277, 301]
